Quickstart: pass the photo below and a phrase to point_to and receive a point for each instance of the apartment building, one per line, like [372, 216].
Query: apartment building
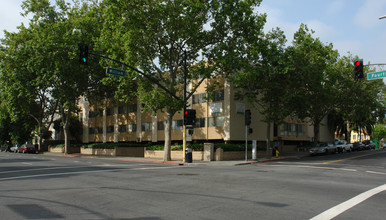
[220, 117]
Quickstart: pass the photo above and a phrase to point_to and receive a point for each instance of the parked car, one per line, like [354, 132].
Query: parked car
[323, 148]
[369, 144]
[6, 147]
[343, 146]
[14, 148]
[359, 146]
[27, 148]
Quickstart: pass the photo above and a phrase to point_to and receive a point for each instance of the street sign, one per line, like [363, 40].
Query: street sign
[376, 75]
[115, 72]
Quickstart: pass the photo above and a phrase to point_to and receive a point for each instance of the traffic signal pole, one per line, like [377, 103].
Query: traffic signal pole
[184, 131]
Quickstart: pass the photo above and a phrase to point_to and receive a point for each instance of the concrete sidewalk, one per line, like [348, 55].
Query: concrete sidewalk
[283, 156]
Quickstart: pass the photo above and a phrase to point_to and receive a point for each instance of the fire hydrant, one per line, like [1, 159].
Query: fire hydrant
[277, 153]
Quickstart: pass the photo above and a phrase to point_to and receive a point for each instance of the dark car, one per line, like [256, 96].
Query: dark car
[27, 148]
[358, 146]
[369, 144]
[6, 147]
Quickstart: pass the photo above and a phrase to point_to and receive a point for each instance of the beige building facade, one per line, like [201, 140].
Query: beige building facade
[220, 117]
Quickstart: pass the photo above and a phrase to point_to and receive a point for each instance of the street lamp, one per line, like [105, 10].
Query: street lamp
[382, 17]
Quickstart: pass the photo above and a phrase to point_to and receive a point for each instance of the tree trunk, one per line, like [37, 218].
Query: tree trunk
[168, 135]
[316, 132]
[67, 137]
[268, 140]
[66, 128]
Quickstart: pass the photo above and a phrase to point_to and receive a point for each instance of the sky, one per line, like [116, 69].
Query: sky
[350, 25]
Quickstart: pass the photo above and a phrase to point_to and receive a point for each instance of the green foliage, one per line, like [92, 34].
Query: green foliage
[379, 132]
[158, 37]
[109, 145]
[200, 147]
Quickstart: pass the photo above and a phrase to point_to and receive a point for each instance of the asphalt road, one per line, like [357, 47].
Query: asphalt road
[339, 186]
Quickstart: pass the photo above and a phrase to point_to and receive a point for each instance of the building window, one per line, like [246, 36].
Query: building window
[122, 128]
[161, 125]
[99, 130]
[91, 131]
[132, 108]
[288, 129]
[218, 96]
[177, 124]
[240, 108]
[109, 111]
[132, 127]
[292, 130]
[199, 98]
[122, 109]
[200, 123]
[301, 130]
[96, 113]
[216, 121]
[146, 126]
[110, 129]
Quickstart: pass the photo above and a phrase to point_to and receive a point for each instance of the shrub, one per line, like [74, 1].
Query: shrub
[109, 145]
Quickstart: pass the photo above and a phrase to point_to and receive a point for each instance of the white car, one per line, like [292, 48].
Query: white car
[323, 148]
[343, 146]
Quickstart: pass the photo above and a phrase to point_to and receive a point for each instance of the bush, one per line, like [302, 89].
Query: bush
[200, 147]
[57, 146]
[109, 145]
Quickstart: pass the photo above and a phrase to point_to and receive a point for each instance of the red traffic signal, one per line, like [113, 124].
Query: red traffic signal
[358, 69]
[189, 117]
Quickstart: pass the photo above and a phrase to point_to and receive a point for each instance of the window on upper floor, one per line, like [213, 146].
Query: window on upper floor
[216, 121]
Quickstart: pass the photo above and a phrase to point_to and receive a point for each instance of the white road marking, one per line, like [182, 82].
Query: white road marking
[374, 172]
[337, 210]
[79, 172]
[47, 168]
[313, 167]
[26, 163]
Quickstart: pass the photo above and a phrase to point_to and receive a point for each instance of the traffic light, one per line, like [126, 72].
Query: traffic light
[247, 117]
[83, 54]
[189, 117]
[358, 69]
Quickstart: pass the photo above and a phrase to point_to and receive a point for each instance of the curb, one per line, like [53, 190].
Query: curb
[268, 160]
[154, 161]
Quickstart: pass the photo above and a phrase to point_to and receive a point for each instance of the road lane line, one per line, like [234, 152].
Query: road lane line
[38, 169]
[349, 158]
[374, 172]
[339, 209]
[312, 167]
[79, 172]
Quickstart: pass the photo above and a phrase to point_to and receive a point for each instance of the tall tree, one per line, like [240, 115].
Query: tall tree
[46, 63]
[158, 37]
[314, 79]
[263, 79]
[25, 83]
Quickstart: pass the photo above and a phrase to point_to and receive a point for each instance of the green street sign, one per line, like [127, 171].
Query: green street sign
[376, 75]
[115, 72]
